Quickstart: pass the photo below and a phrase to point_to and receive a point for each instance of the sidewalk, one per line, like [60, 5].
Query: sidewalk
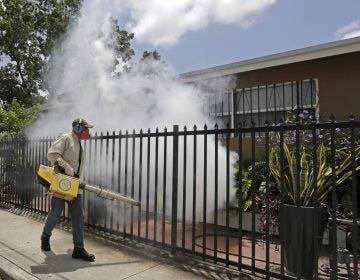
[21, 257]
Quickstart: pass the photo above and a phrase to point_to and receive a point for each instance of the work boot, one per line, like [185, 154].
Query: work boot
[45, 243]
[81, 253]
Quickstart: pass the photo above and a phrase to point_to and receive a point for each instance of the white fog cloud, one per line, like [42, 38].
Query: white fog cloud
[81, 86]
[349, 31]
[163, 23]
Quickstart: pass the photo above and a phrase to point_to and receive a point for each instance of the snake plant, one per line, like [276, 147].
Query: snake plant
[311, 186]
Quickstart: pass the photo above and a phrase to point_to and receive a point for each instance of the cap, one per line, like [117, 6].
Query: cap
[82, 122]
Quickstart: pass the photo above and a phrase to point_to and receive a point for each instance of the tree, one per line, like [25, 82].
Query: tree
[29, 29]
[120, 41]
[15, 117]
[151, 64]
[155, 55]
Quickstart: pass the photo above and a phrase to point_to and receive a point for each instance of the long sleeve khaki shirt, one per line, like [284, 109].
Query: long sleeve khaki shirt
[65, 151]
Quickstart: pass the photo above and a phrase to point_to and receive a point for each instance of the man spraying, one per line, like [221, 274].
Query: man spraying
[65, 154]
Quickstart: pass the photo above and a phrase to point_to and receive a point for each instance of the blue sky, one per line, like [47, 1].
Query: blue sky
[196, 34]
[282, 25]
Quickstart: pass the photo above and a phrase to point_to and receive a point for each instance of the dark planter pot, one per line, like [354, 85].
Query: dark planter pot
[297, 227]
[349, 241]
[25, 187]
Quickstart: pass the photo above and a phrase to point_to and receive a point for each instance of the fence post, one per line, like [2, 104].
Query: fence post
[174, 188]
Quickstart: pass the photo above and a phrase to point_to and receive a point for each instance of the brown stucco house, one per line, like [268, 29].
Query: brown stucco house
[323, 79]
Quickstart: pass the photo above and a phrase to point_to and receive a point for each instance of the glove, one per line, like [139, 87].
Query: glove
[59, 169]
[65, 167]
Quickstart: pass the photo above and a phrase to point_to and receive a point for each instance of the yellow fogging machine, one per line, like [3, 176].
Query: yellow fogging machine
[67, 187]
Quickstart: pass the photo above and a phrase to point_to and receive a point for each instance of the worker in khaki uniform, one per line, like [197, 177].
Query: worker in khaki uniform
[65, 154]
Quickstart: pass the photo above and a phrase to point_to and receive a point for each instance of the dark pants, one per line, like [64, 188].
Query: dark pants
[77, 218]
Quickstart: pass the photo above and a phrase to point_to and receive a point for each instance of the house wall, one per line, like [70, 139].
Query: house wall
[338, 79]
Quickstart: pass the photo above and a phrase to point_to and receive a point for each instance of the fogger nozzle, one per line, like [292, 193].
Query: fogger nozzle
[104, 193]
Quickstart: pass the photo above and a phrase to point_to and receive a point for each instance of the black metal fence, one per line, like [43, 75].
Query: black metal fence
[217, 194]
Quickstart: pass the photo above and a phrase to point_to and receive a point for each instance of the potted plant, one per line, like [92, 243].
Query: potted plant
[300, 186]
[305, 192]
[253, 176]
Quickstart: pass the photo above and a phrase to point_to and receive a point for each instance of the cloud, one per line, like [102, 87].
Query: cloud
[163, 23]
[349, 31]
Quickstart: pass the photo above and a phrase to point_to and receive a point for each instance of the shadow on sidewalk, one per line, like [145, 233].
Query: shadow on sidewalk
[65, 263]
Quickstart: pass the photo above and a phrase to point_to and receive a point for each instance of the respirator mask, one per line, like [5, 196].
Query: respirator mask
[81, 131]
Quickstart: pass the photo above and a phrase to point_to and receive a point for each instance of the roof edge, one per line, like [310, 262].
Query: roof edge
[309, 53]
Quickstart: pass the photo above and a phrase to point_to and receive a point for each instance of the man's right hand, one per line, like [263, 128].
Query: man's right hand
[59, 169]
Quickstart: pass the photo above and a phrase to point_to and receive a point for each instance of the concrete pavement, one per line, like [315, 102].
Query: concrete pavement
[21, 257]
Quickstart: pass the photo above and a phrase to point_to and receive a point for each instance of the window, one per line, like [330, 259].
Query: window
[271, 103]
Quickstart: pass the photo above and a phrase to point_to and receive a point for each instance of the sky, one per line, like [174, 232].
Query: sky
[196, 34]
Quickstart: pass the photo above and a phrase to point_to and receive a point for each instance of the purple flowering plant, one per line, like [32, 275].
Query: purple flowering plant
[308, 161]
[299, 177]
